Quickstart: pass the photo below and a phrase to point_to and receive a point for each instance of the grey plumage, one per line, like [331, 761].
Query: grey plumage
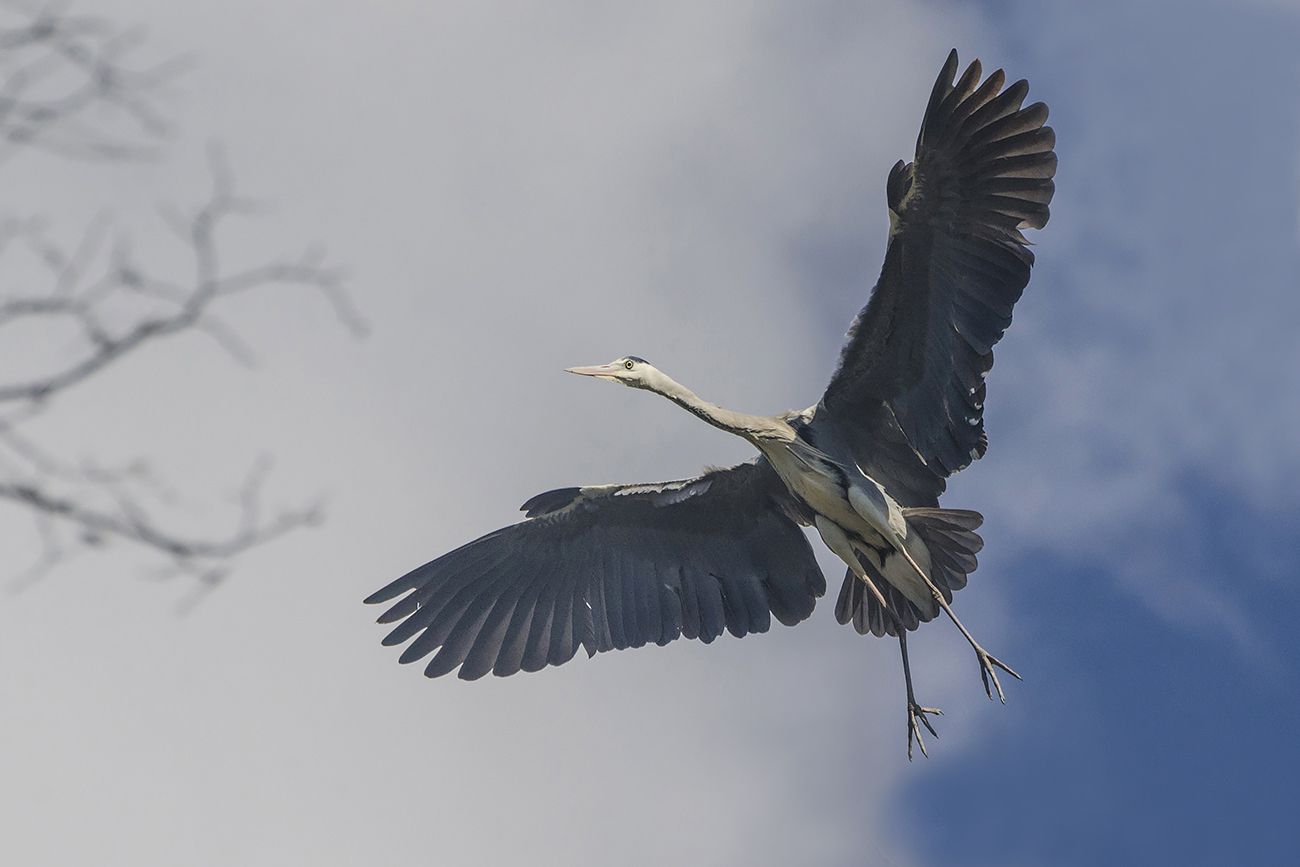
[616, 566]
[607, 568]
[907, 401]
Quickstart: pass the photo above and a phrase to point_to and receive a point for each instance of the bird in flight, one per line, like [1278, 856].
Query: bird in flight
[607, 567]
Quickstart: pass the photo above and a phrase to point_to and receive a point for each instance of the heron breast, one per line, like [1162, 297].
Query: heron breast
[819, 485]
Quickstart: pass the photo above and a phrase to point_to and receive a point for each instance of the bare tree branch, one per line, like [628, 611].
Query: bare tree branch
[73, 85]
[128, 520]
[188, 306]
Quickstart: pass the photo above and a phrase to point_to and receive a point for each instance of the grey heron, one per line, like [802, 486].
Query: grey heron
[606, 567]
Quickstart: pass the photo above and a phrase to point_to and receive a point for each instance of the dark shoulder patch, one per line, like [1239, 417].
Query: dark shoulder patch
[898, 185]
[549, 501]
[803, 429]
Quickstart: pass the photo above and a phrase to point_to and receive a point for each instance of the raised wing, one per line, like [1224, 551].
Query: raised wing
[607, 568]
[907, 401]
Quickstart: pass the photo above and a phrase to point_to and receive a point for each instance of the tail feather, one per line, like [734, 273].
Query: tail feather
[956, 519]
[858, 605]
[950, 537]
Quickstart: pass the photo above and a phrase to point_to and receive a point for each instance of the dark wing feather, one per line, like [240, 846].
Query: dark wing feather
[907, 401]
[610, 567]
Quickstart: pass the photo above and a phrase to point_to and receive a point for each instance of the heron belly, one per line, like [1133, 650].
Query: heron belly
[820, 484]
[862, 508]
[847, 496]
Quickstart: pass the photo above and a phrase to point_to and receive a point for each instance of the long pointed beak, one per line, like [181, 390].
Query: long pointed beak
[595, 370]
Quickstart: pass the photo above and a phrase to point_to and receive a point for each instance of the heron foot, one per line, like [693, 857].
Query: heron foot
[916, 717]
[988, 672]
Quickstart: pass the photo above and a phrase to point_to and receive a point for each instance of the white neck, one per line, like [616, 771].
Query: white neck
[751, 427]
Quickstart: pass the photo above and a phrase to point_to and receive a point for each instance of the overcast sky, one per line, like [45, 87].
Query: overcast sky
[520, 188]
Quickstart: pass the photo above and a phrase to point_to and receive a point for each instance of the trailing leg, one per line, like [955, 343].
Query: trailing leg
[988, 663]
[916, 715]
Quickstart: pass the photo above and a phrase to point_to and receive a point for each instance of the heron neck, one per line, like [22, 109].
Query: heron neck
[741, 424]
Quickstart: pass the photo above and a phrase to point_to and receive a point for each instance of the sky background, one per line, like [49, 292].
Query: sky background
[518, 188]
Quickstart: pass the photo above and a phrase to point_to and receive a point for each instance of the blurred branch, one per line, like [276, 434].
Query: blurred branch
[67, 521]
[187, 306]
[72, 85]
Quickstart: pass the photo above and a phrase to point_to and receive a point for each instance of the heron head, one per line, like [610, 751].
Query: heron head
[628, 370]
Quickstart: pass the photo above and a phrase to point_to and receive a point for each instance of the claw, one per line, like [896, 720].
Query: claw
[1002, 665]
[917, 713]
[987, 661]
[987, 664]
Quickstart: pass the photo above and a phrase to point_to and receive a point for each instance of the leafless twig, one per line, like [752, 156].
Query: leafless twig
[71, 85]
[67, 521]
[183, 306]
[87, 505]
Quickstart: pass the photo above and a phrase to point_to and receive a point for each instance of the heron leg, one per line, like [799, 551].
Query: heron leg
[839, 543]
[989, 664]
[916, 715]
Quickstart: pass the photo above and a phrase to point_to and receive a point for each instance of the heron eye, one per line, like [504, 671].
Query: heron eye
[628, 365]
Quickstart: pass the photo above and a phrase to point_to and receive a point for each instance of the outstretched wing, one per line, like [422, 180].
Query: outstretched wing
[907, 401]
[607, 568]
